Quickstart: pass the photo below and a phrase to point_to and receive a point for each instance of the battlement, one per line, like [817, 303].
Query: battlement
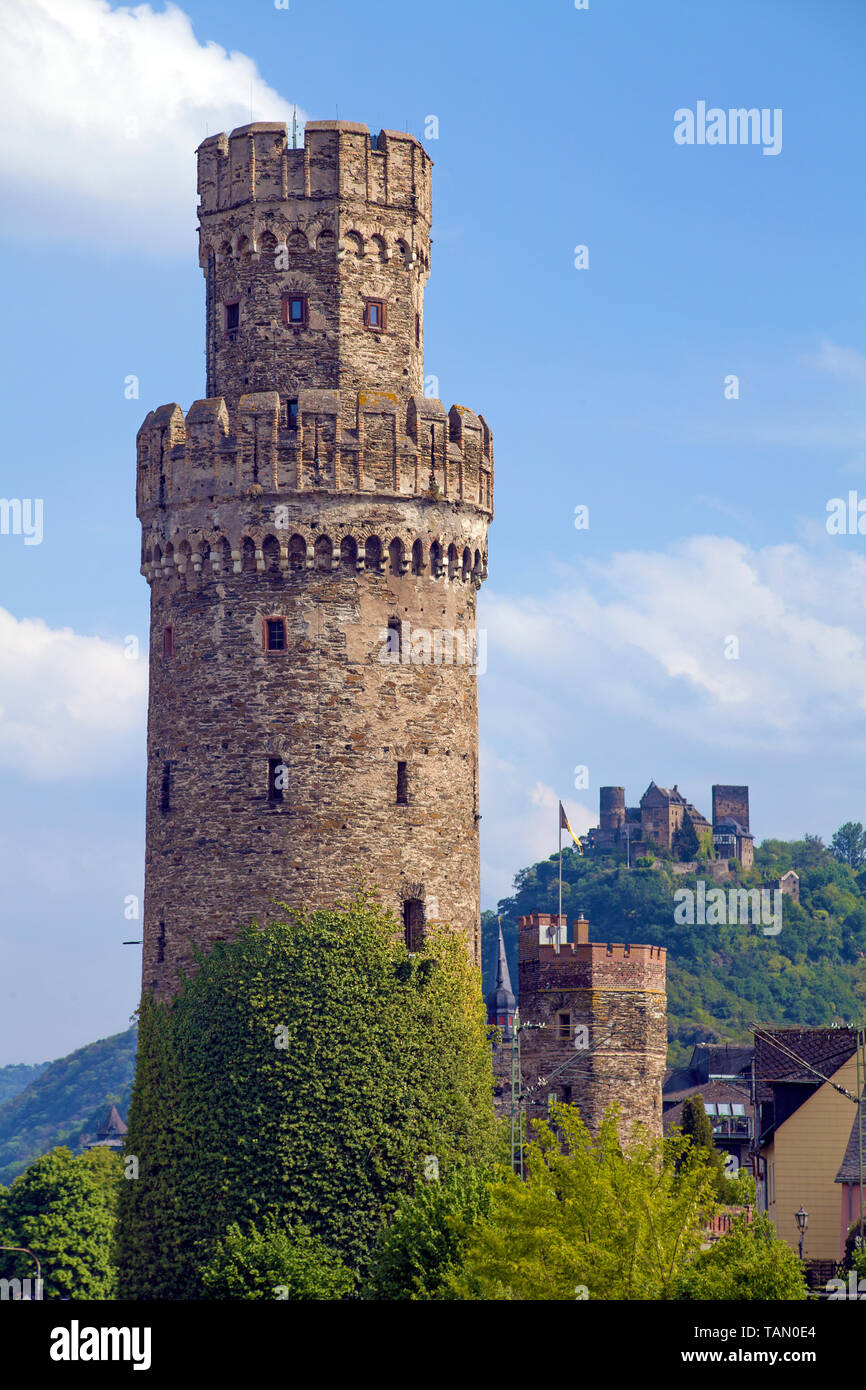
[422, 452]
[581, 963]
[338, 160]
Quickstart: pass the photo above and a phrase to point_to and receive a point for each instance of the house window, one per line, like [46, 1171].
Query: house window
[402, 785]
[375, 317]
[274, 635]
[277, 773]
[168, 641]
[563, 1027]
[295, 314]
[233, 318]
[413, 923]
[165, 797]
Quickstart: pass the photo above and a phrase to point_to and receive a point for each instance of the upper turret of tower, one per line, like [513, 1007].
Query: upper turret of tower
[315, 260]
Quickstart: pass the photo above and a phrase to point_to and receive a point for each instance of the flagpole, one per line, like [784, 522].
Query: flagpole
[559, 915]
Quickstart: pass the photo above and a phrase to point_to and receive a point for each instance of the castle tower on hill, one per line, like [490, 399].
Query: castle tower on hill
[314, 533]
[604, 1011]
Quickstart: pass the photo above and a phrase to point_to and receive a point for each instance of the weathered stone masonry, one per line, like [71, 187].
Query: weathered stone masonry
[618, 994]
[317, 485]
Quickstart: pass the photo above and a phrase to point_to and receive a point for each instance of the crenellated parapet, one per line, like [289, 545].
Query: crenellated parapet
[296, 244]
[421, 451]
[338, 160]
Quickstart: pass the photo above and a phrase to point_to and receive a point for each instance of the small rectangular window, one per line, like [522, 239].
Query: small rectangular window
[274, 634]
[277, 773]
[168, 641]
[402, 785]
[292, 415]
[417, 330]
[233, 318]
[165, 798]
[295, 310]
[374, 315]
[563, 1027]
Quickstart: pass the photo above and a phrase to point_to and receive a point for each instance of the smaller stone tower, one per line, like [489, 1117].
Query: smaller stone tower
[604, 1007]
[611, 808]
[731, 803]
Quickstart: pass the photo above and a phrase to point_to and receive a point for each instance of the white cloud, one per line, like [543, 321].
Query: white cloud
[103, 110]
[69, 705]
[523, 826]
[845, 363]
[644, 634]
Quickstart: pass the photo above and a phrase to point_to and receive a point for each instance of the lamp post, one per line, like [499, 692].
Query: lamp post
[802, 1223]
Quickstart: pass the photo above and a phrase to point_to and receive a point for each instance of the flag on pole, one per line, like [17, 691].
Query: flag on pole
[564, 825]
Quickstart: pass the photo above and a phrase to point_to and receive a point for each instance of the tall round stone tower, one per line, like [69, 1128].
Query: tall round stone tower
[314, 533]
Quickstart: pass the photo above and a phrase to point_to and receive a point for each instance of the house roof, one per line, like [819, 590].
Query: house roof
[112, 1126]
[730, 824]
[720, 1060]
[710, 1091]
[850, 1168]
[825, 1049]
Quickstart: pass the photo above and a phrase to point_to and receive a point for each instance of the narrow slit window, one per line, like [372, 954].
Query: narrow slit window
[563, 1027]
[168, 641]
[402, 784]
[395, 638]
[292, 414]
[233, 319]
[160, 943]
[417, 330]
[413, 924]
[276, 780]
[165, 798]
[374, 315]
[274, 634]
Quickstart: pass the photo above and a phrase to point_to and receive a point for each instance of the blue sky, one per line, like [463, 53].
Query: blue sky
[604, 387]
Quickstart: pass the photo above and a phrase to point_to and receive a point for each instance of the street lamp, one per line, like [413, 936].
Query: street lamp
[802, 1223]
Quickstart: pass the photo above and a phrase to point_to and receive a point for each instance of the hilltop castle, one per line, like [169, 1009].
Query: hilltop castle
[297, 525]
[662, 813]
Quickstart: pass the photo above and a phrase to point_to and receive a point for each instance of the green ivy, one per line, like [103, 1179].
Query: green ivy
[302, 1076]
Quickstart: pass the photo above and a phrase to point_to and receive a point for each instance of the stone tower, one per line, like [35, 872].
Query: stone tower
[604, 1010]
[314, 533]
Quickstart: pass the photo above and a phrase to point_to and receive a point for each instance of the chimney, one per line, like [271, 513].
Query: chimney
[581, 931]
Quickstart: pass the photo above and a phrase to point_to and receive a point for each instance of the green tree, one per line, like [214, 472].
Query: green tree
[849, 844]
[63, 1208]
[275, 1264]
[750, 1262]
[304, 1073]
[426, 1238]
[685, 843]
[590, 1219]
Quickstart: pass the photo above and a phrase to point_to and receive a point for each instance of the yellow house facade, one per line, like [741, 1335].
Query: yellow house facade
[802, 1159]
